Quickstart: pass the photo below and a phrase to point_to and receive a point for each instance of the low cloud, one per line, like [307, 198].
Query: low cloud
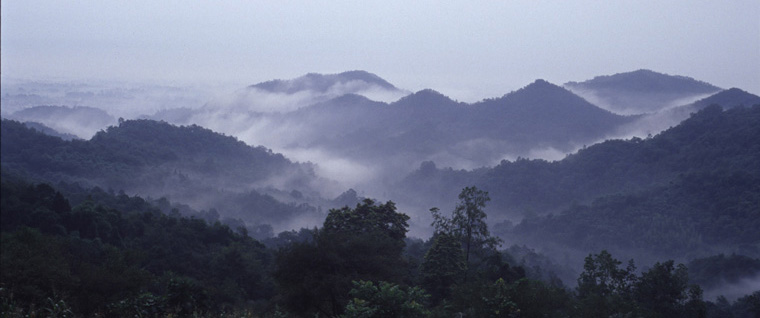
[735, 290]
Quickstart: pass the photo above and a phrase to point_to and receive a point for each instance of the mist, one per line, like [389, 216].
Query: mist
[314, 119]
[355, 131]
[734, 290]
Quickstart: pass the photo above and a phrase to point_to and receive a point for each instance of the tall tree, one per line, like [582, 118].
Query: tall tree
[468, 225]
[604, 288]
[469, 220]
[443, 266]
[363, 243]
[664, 291]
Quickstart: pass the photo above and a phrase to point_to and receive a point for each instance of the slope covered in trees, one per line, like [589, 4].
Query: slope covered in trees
[696, 184]
[641, 91]
[689, 194]
[120, 256]
[697, 192]
[188, 164]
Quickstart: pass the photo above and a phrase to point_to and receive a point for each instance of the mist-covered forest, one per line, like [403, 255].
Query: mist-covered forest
[341, 195]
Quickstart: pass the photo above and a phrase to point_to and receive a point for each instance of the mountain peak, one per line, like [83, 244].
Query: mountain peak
[322, 83]
[541, 84]
[644, 80]
[425, 97]
[730, 98]
[641, 91]
[540, 88]
[359, 75]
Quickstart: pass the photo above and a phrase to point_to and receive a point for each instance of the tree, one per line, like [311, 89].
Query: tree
[604, 288]
[468, 224]
[469, 221]
[385, 300]
[443, 266]
[663, 291]
[364, 243]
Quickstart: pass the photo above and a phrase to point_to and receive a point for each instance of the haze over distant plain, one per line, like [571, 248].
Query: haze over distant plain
[464, 49]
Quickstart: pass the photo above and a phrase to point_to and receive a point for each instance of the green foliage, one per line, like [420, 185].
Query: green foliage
[367, 218]
[364, 243]
[447, 264]
[469, 221]
[604, 288]
[189, 163]
[101, 260]
[689, 192]
[70, 250]
[385, 300]
[443, 266]
[662, 290]
[468, 224]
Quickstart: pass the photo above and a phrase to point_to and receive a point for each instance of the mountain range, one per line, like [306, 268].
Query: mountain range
[187, 201]
[347, 139]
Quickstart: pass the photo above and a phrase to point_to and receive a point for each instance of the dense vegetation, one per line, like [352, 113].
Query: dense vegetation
[691, 191]
[188, 164]
[69, 248]
[135, 146]
[120, 256]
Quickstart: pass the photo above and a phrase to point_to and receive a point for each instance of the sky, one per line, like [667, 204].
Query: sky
[468, 50]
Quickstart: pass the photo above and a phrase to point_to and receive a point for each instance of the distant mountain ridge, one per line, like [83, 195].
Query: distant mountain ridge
[647, 81]
[545, 106]
[692, 183]
[428, 125]
[359, 119]
[729, 98]
[641, 91]
[81, 121]
[323, 82]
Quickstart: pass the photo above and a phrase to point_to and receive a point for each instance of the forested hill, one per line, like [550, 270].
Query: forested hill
[546, 113]
[323, 82]
[641, 91]
[729, 98]
[703, 176]
[647, 81]
[188, 164]
[135, 146]
[427, 125]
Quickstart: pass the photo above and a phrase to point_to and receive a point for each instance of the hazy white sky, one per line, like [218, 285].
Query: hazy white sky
[468, 50]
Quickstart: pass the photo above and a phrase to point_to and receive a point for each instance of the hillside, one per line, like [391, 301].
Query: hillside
[729, 98]
[153, 219]
[641, 91]
[188, 164]
[690, 177]
[547, 113]
[118, 256]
